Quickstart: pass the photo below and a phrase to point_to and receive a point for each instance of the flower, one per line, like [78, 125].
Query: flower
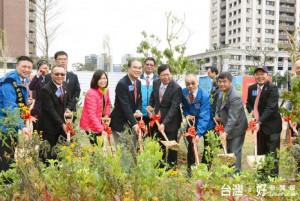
[70, 152]
[173, 172]
[68, 157]
[86, 181]
[126, 193]
[72, 145]
[63, 148]
[75, 158]
[155, 198]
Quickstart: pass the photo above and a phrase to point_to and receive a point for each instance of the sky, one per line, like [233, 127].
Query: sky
[86, 22]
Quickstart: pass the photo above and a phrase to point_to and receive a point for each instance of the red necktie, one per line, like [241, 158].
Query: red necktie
[255, 112]
[135, 92]
[148, 81]
[61, 94]
[192, 98]
[23, 82]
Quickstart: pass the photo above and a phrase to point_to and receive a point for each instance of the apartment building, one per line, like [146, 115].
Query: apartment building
[245, 33]
[18, 19]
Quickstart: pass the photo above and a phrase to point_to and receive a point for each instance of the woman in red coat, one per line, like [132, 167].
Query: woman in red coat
[96, 105]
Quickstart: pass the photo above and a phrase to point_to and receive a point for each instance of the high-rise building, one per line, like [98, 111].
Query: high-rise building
[125, 58]
[18, 19]
[245, 33]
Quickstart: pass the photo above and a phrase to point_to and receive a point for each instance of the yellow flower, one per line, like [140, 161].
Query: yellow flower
[83, 158]
[86, 181]
[182, 179]
[28, 160]
[68, 157]
[72, 145]
[63, 148]
[126, 193]
[126, 199]
[173, 172]
[194, 191]
[75, 158]
[21, 104]
[141, 199]
[70, 152]
[155, 198]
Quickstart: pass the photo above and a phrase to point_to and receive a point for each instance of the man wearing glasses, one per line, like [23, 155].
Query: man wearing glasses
[147, 79]
[61, 59]
[166, 98]
[54, 100]
[196, 106]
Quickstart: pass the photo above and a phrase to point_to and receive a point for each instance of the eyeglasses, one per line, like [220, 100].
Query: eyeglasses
[42, 62]
[164, 75]
[188, 84]
[60, 74]
[62, 59]
[149, 65]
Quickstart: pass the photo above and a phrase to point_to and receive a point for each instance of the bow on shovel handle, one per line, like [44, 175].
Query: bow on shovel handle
[158, 124]
[195, 149]
[68, 132]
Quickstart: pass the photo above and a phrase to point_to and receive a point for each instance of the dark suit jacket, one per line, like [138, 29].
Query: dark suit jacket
[125, 105]
[232, 113]
[267, 107]
[74, 88]
[36, 84]
[214, 94]
[53, 109]
[169, 106]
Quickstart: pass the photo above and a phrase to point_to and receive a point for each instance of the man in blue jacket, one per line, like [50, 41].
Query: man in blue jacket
[147, 79]
[195, 103]
[13, 91]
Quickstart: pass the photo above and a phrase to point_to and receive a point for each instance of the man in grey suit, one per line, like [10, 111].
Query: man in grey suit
[230, 111]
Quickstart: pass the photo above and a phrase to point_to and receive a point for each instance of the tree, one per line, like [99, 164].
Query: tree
[47, 24]
[107, 52]
[174, 53]
[4, 49]
[260, 54]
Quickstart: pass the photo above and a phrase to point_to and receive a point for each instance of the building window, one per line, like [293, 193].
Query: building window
[248, 19]
[270, 12]
[248, 10]
[258, 40]
[258, 11]
[248, 1]
[247, 39]
[258, 30]
[258, 21]
[270, 31]
[236, 57]
[270, 3]
[269, 40]
[259, 2]
[239, 20]
[247, 29]
[229, 32]
[270, 21]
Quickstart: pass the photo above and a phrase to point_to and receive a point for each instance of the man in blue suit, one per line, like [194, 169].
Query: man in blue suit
[128, 102]
[196, 104]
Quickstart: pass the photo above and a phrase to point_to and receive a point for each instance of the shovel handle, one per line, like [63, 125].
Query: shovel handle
[196, 152]
[255, 143]
[158, 124]
[193, 121]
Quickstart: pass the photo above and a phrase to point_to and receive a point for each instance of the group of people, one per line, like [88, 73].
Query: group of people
[139, 91]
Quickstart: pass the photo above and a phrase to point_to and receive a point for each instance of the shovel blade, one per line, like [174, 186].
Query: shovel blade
[171, 144]
[255, 162]
[228, 159]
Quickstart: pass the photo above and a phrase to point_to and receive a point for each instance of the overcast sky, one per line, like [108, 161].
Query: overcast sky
[86, 22]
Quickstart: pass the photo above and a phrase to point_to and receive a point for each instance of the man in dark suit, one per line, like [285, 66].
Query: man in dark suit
[128, 102]
[54, 101]
[230, 111]
[166, 98]
[262, 103]
[61, 59]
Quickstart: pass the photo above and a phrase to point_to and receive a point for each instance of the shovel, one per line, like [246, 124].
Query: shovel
[195, 149]
[140, 136]
[256, 160]
[226, 158]
[169, 144]
[68, 132]
[106, 137]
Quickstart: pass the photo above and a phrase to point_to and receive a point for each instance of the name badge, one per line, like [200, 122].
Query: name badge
[220, 95]
[58, 93]
[131, 87]
[197, 106]
[254, 93]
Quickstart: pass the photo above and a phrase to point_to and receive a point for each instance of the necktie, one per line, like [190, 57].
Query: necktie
[23, 82]
[135, 92]
[161, 93]
[192, 98]
[61, 94]
[148, 81]
[255, 112]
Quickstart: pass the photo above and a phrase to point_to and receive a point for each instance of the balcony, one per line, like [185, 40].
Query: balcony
[287, 18]
[223, 29]
[222, 39]
[223, 21]
[280, 64]
[287, 9]
[32, 7]
[32, 17]
[223, 13]
[223, 4]
[32, 28]
[287, 27]
[288, 1]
